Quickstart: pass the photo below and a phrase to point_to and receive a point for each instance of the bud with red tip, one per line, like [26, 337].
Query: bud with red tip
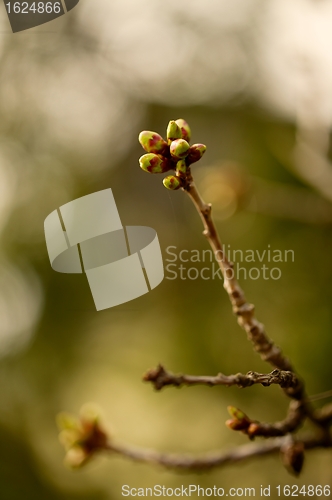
[239, 422]
[179, 149]
[181, 168]
[195, 153]
[185, 129]
[171, 182]
[152, 142]
[173, 132]
[154, 164]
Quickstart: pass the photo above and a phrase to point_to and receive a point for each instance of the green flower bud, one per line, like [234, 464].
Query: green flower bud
[171, 182]
[239, 422]
[181, 168]
[154, 164]
[179, 149]
[152, 142]
[185, 129]
[236, 413]
[173, 131]
[196, 152]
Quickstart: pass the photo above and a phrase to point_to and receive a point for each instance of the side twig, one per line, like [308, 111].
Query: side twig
[160, 377]
[238, 454]
[85, 437]
[293, 421]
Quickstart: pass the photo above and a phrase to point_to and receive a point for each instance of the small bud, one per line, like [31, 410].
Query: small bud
[236, 425]
[236, 413]
[181, 168]
[179, 149]
[76, 457]
[185, 129]
[240, 421]
[173, 131]
[152, 142]
[171, 182]
[253, 429]
[196, 152]
[292, 455]
[154, 164]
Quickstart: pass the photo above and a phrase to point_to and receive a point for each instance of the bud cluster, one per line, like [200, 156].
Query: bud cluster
[173, 154]
[82, 437]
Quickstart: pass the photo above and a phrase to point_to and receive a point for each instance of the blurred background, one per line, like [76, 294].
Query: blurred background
[253, 78]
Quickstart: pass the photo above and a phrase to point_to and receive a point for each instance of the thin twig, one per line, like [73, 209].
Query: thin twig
[293, 421]
[160, 377]
[218, 459]
[244, 311]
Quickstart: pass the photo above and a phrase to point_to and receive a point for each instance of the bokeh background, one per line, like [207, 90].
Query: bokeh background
[253, 78]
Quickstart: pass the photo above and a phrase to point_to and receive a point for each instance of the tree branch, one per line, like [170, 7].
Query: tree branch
[293, 421]
[218, 459]
[160, 377]
[244, 311]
